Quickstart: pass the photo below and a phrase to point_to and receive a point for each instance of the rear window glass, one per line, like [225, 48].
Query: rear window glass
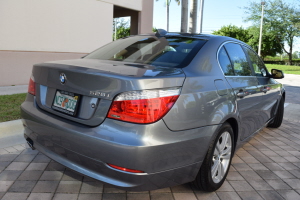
[163, 51]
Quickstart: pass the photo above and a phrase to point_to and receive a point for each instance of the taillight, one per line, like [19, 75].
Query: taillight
[31, 86]
[145, 106]
[125, 169]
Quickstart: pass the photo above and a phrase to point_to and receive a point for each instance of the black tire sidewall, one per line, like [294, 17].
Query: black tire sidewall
[276, 122]
[206, 166]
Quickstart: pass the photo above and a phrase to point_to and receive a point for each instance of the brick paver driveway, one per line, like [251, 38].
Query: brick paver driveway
[267, 167]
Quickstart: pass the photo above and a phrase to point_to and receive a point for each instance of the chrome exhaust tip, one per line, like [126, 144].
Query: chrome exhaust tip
[30, 143]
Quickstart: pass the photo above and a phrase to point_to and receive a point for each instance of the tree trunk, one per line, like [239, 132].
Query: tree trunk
[184, 16]
[201, 15]
[168, 8]
[193, 16]
[290, 58]
[291, 53]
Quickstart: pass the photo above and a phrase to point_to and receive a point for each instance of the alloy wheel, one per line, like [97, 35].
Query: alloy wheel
[221, 157]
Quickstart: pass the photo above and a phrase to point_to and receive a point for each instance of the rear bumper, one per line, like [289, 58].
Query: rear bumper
[168, 158]
[126, 181]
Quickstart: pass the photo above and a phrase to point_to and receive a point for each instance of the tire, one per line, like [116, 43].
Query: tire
[216, 165]
[276, 122]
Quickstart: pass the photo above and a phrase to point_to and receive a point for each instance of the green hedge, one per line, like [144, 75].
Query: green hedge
[284, 62]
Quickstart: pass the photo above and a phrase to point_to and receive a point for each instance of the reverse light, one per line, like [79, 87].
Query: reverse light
[145, 106]
[31, 86]
[125, 169]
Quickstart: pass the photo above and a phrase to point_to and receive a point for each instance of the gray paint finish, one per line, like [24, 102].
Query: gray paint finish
[169, 151]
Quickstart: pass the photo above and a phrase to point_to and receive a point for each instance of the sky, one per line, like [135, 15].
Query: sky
[217, 13]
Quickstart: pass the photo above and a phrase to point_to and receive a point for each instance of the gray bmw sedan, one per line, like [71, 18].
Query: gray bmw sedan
[153, 111]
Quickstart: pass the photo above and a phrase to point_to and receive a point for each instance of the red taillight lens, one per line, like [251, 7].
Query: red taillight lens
[125, 169]
[31, 86]
[143, 107]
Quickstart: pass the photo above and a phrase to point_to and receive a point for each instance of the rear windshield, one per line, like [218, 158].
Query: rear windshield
[162, 51]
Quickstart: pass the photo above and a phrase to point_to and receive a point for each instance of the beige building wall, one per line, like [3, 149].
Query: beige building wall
[16, 66]
[131, 4]
[35, 31]
[54, 25]
[146, 17]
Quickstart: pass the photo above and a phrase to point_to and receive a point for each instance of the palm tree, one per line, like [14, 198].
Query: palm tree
[194, 13]
[184, 15]
[193, 16]
[168, 5]
[201, 14]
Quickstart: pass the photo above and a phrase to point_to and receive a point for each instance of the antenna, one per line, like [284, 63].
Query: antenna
[161, 32]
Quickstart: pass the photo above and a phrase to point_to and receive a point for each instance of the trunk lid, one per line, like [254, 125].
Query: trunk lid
[97, 82]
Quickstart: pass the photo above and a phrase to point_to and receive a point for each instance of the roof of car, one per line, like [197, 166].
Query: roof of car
[194, 35]
[162, 32]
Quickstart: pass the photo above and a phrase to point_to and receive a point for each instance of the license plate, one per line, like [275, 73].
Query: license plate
[65, 102]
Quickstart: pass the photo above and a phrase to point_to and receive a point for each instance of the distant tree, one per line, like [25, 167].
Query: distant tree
[280, 18]
[270, 46]
[122, 28]
[296, 55]
[233, 31]
[123, 32]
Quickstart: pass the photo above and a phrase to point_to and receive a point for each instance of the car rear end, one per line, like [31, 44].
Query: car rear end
[105, 119]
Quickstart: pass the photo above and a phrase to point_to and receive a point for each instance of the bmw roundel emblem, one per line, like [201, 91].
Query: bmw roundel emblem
[62, 78]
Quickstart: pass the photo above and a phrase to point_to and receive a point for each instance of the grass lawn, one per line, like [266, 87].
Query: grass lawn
[10, 106]
[287, 69]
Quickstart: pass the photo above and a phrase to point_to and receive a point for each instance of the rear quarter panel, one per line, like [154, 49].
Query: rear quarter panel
[206, 97]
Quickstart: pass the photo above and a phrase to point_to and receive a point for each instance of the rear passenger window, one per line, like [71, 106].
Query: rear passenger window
[238, 59]
[225, 62]
[258, 66]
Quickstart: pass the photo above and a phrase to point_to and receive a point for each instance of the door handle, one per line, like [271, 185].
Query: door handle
[241, 94]
[265, 89]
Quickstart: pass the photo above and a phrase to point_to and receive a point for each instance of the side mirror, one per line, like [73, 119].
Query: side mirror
[277, 74]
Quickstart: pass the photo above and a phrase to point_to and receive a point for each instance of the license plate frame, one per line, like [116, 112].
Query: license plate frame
[66, 102]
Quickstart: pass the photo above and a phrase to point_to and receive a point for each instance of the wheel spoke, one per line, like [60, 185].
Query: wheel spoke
[224, 137]
[218, 148]
[214, 168]
[216, 152]
[225, 156]
[222, 170]
[226, 151]
[219, 175]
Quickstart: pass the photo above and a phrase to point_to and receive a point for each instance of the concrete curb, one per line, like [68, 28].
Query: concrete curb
[7, 90]
[11, 133]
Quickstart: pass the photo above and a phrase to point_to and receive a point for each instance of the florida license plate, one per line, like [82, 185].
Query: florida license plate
[65, 102]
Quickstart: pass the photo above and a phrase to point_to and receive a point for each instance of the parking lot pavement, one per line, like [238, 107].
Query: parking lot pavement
[266, 167]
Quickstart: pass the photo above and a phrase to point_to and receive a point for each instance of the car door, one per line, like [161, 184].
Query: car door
[244, 84]
[269, 88]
